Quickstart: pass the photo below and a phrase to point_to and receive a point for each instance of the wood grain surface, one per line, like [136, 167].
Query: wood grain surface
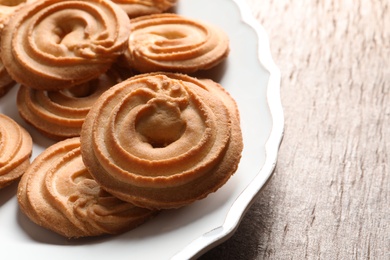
[329, 196]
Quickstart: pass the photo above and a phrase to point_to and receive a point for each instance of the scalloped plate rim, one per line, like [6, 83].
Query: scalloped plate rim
[234, 216]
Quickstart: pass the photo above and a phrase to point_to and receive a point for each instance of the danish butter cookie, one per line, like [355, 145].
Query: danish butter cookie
[162, 140]
[15, 150]
[174, 43]
[135, 8]
[60, 114]
[52, 44]
[58, 193]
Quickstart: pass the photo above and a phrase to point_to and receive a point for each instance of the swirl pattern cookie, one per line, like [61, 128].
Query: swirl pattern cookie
[60, 114]
[15, 150]
[58, 193]
[173, 43]
[52, 44]
[135, 8]
[162, 140]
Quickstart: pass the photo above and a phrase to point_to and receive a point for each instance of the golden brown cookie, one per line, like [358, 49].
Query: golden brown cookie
[174, 43]
[162, 140]
[54, 44]
[15, 150]
[60, 114]
[59, 194]
[135, 8]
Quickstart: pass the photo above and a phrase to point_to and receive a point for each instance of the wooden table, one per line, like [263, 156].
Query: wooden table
[329, 197]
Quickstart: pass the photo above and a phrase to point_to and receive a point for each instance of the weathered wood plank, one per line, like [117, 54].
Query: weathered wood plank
[329, 197]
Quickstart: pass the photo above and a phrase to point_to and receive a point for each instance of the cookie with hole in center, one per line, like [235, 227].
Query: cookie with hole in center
[58, 193]
[162, 140]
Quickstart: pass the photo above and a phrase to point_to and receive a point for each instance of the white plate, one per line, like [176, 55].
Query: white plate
[252, 78]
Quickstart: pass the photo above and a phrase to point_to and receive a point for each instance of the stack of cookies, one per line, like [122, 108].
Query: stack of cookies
[111, 82]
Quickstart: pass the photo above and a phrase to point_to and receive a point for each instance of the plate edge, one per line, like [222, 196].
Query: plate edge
[244, 201]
